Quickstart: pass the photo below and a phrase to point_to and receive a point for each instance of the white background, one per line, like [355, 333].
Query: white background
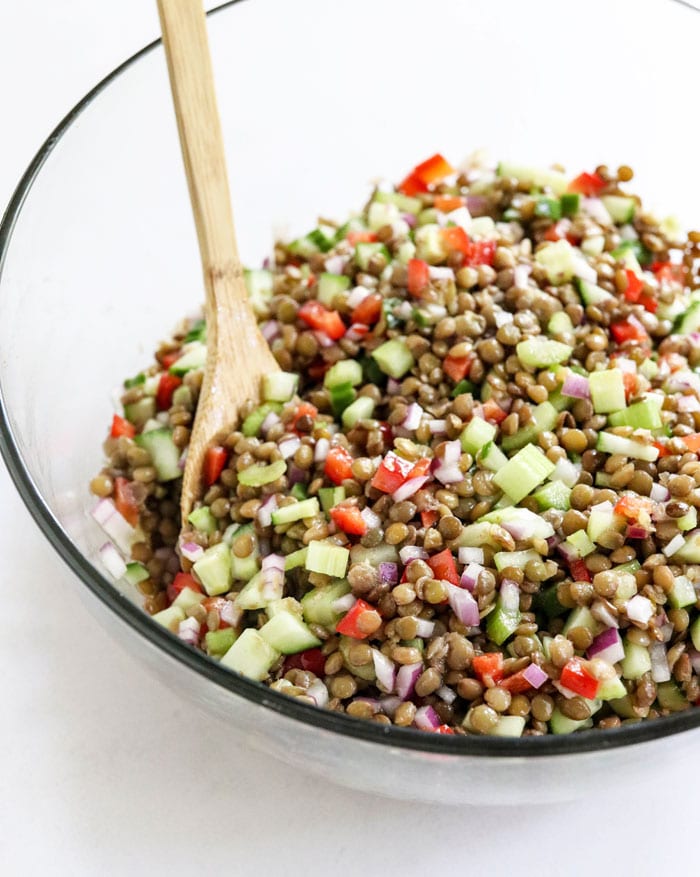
[102, 770]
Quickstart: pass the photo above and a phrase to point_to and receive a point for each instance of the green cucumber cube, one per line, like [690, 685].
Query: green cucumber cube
[361, 409]
[218, 642]
[523, 472]
[213, 569]
[203, 520]
[288, 634]
[636, 662]
[164, 452]
[542, 352]
[259, 282]
[347, 371]
[251, 655]
[194, 357]
[620, 207]
[288, 514]
[331, 285]
[170, 618]
[581, 543]
[607, 390]
[394, 358]
[280, 386]
[327, 558]
[250, 596]
[317, 604]
[476, 434]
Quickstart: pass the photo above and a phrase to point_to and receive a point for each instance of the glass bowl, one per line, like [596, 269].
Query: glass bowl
[99, 261]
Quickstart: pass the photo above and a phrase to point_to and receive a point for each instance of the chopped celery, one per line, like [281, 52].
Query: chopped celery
[218, 642]
[523, 472]
[607, 390]
[253, 422]
[295, 559]
[394, 358]
[641, 415]
[541, 352]
[257, 475]
[581, 543]
[610, 443]
[491, 457]
[203, 520]
[361, 409]
[327, 558]
[308, 508]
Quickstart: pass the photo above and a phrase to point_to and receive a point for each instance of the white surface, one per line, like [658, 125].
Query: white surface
[102, 770]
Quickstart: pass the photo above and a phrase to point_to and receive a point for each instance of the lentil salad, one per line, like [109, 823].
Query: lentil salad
[468, 504]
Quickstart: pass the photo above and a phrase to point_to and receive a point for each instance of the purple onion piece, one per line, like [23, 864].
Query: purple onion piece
[426, 719]
[388, 573]
[406, 679]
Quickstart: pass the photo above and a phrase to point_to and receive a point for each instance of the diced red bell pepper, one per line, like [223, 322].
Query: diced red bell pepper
[516, 684]
[428, 517]
[422, 467]
[338, 465]
[220, 605]
[351, 624]
[455, 238]
[392, 472]
[579, 570]
[215, 460]
[481, 253]
[369, 310]
[311, 281]
[662, 449]
[489, 665]
[418, 277]
[433, 169]
[576, 678]
[444, 729]
[667, 272]
[361, 237]
[304, 409]
[557, 231]
[181, 581]
[456, 367]
[448, 203]
[312, 660]
[319, 317]
[120, 427]
[587, 184]
[444, 567]
[631, 506]
[166, 387]
[629, 381]
[349, 519]
[635, 286]
[624, 331]
[169, 359]
[412, 185]
[692, 442]
[493, 411]
[357, 332]
[124, 500]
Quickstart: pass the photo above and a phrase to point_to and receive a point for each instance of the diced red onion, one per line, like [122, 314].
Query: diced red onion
[666, 631]
[424, 628]
[674, 545]
[470, 555]
[607, 646]
[336, 264]
[183, 459]
[660, 671]
[370, 518]
[406, 679]
[272, 577]
[410, 219]
[408, 488]
[535, 675]
[437, 427]
[576, 386]
[426, 719]
[319, 692]
[446, 694]
[344, 603]
[635, 531]
[521, 274]
[272, 419]
[688, 403]
[626, 365]
[568, 552]
[296, 475]
[562, 689]
[449, 473]
[694, 656]
[389, 703]
[477, 205]
[470, 576]
[412, 552]
[605, 506]
[510, 596]
[604, 614]
[188, 631]
[162, 417]
[357, 295]
[267, 507]
[412, 420]
[388, 573]
[321, 450]
[323, 339]
[386, 671]
[230, 613]
[404, 311]
[270, 330]
[452, 452]
[440, 272]
[114, 524]
[356, 332]
[522, 523]
[191, 551]
[289, 446]
[639, 609]
[567, 472]
[112, 560]
[393, 387]
[463, 605]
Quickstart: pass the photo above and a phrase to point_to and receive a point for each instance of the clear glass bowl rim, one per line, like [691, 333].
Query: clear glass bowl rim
[162, 639]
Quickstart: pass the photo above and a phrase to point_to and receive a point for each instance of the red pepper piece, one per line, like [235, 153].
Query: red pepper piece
[493, 411]
[586, 184]
[579, 571]
[369, 310]
[624, 331]
[444, 729]
[433, 169]
[456, 367]
[418, 277]
[635, 286]
[120, 427]
[412, 185]
[352, 624]
[444, 567]
[181, 581]
[489, 665]
[166, 387]
[448, 203]
[349, 519]
[361, 237]
[516, 684]
[338, 465]
[392, 472]
[215, 460]
[124, 500]
[428, 517]
[319, 317]
[312, 660]
[576, 678]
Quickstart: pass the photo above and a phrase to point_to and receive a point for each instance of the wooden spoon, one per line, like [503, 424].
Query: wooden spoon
[237, 354]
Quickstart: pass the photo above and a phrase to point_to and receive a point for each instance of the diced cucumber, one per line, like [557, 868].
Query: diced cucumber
[165, 454]
[611, 689]
[631, 567]
[280, 386]
[218, 642]
[502, 622]
[590, 293]
[476, 434]
[394, 358]
[331, 285]
[323, 237]
[317, 604]
[327, 558]
[593, 244]
[362, 671]
[695, 633]
[682, 593]
[284, 604]
[541, 352]
[365, 251]
[580, 541]
[299, 491]
[429, 243]
[554, 495]
[508, 726]
[610, 443]
[491, 457]
[523, 472]
[602, 520]
[641, 415]
[626, 588]
[244, 568]
[559, 323]
[544, 419]
[690, 551]
[548, 602]
[194, 357]
[582, 617]
[403, 202]
[383, 553]
[135, 573]
[689, 322]
[304, 247]
[636, 662]
[517, 559]
[620, 208]
[213, 569]
[330, 497]
[561, 724]
[361, 409]
[251, 655]
[624, 707]
[548, 208]
[670, 697]
[295, 559]
[203, 520]
[257, 475]
[253, 422]
[170, 618]
[380, 214]
[288, 634]
[688, 521]
[539, 177]
[187, 599]
[140, 412]
[251, 596]
[607, 390]
[308, 508]
[259, 283]
[347, 371]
